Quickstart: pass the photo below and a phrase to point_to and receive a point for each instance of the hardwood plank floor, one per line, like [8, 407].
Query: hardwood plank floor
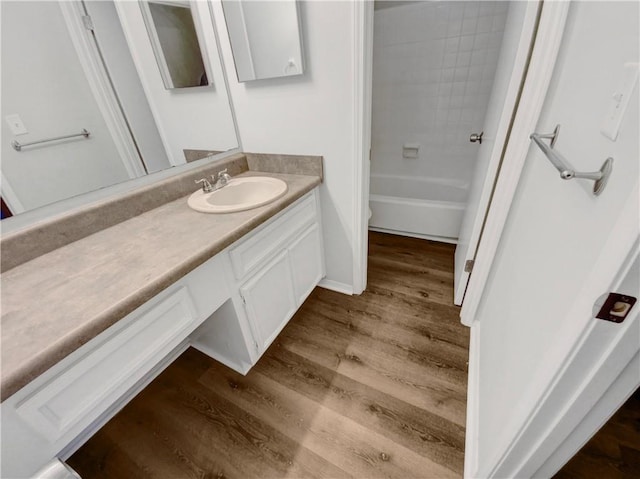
[614, 451]
[355, 386]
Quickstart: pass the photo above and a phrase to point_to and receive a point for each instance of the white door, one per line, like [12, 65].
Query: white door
[270, 299]
[519, 28]
[536, 344]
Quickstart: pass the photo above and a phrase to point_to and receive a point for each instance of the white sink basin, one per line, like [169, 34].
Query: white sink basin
[240, 194]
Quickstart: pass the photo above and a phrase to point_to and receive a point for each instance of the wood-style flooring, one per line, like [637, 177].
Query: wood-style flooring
[614, 451]
[355, 386]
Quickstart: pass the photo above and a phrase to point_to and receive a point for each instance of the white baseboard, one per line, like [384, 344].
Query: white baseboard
[473, 396]
[336, 286]
[441, 239]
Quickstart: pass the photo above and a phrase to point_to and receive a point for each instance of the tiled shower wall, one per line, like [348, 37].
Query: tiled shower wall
[433, 69]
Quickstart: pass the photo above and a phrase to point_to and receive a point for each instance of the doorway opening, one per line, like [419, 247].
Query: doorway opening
[445, 84]
[434, 65]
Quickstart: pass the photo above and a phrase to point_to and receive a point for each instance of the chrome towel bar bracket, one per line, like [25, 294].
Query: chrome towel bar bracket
[18, 146]
[599, 177]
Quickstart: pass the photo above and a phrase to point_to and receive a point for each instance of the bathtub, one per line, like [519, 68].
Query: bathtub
[422, 207]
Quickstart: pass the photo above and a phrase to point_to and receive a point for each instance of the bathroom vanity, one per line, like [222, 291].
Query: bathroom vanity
[130, 298]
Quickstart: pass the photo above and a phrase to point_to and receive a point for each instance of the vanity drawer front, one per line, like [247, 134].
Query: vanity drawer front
[77, 396]
[264, 244]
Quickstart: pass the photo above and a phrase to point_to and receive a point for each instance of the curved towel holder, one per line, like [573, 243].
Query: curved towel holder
[599, 177]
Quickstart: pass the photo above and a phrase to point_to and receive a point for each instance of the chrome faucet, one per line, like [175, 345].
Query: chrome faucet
[222, 181]
[206, 186]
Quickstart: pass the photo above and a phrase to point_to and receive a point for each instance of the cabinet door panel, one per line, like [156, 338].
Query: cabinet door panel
[306, 262]
[270, 299]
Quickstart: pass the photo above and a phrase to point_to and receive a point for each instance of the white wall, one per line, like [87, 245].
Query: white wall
[310, 114]
[557, 230]
[433, 70]
[43, 82]
[190, 118]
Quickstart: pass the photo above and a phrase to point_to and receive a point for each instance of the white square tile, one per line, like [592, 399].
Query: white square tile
[467, 114]
[447, 75]
[436, 45]
[466, 43]
[458, 88]
[456, 11]
[449, 60]
[469, 26]
[440, 28]
[481, 41]
[443, 105]
[487, 8]
[472, 90]
[485, 24]
[471, 9]
[456, 101]
[451, 44]
[475, 73]
[469, 101]
[460, 74]
[479, 57]
[464, 59]
[453, 28]
[498, 23]
[444, 89]
[436, 76]
[495, 41]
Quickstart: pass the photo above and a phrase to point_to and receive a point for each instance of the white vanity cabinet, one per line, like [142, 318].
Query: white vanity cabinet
[274, 270]
[275, 292]
[55, 413]
[231, 307]
[269, 300]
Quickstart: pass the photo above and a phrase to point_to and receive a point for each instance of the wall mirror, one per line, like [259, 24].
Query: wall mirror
[70, 66]
[176, 43]
[265, 38]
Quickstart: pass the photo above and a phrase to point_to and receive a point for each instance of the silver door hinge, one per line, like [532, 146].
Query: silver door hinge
[468, 266]
[244, 301]
[88, 22]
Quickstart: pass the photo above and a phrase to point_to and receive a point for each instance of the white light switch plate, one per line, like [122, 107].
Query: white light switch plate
[15, 124]
[619, 101]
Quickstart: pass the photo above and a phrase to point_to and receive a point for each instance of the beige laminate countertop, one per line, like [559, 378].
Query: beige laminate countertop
[57, 302]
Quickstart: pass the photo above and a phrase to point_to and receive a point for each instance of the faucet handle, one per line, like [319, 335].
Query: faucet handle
[223, 178]
[206, 186]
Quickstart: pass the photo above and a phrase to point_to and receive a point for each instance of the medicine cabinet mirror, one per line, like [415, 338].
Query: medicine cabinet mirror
[175, 43]
[265, 38]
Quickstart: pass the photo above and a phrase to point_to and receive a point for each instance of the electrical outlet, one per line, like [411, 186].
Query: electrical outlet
[15, 124]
